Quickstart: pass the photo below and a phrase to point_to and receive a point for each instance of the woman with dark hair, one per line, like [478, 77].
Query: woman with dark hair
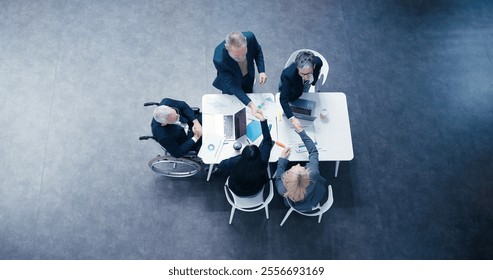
[248, 171]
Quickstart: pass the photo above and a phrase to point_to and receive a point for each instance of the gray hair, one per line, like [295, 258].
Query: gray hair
[161, 114]
[305, 59]
[235, 39]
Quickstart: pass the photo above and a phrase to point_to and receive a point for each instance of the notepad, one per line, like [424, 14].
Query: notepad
[254, 130]
[211, 147]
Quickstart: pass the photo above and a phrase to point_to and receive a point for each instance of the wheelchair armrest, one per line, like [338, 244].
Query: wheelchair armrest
[146, 137]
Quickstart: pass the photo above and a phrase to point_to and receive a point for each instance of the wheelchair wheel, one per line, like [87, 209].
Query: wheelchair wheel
[174, 167]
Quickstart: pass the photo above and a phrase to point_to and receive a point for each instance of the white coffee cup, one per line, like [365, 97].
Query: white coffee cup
[324, 114]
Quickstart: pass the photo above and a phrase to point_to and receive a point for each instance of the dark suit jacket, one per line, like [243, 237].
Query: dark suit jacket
[228, 166]
[229, 75]
[292, 85]
[172, 136]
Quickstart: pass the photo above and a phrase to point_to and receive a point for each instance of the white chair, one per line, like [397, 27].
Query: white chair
[319, 210]
[323, 72]
[249, 204]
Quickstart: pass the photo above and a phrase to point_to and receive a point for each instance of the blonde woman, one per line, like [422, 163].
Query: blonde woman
[303, 186]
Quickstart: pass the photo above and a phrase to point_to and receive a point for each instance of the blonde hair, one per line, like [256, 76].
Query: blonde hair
[296, 183]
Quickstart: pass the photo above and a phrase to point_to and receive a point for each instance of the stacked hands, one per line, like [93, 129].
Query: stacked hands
[254, 108]
[197, 129]
[294, 121]
[259, 115]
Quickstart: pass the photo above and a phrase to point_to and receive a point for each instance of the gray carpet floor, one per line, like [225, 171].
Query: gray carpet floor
[74, 180]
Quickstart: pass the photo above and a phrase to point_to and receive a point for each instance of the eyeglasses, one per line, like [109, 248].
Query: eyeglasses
[305, 75]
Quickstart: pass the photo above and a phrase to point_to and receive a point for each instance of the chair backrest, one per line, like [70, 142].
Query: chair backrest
[319, 209]
[250, 203]
[325, 67]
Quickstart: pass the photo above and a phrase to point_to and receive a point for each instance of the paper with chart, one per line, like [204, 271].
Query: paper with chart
[294, 140]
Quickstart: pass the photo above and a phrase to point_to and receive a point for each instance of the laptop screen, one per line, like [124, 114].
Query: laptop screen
[303, 109]
[240, 123]
[304, 106]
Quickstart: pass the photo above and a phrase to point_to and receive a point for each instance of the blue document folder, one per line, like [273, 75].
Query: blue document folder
[254, 130]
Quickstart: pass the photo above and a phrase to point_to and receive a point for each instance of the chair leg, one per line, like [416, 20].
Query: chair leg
[267, 211]
[231, 215]
[286, 216]
[211, 167]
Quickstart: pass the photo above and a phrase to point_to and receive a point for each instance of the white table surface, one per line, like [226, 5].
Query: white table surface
[333, 136]
[214, 104]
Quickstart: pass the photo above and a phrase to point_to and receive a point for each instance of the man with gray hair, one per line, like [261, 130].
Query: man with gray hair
[296, 79]
[176, 127]
[234, 61]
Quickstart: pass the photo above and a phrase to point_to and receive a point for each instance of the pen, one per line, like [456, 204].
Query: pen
[302, 145]
[280, 144]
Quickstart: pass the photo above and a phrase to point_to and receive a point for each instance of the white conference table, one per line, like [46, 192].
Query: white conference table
[221, 104]
[332, 136]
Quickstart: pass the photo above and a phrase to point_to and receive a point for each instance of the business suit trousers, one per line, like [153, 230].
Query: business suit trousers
[247, 83]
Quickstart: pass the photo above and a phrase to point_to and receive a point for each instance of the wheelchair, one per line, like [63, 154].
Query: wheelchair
[170, 166]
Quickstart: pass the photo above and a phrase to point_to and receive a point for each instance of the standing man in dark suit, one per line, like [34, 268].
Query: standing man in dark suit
[234, 61]
[176, 127]
[296, 79]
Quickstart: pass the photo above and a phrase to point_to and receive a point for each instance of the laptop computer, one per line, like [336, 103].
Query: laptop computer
[231, 126]
[303, 109]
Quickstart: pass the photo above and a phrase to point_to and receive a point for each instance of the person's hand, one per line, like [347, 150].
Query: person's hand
[197, 134]
[197, 127]
[262, 78]
[297, 125]
[253, 107]
[197, 131]
[285, 152]
[259, 115]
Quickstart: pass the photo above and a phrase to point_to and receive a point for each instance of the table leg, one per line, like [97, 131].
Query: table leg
[211, 167]
[337, 168]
